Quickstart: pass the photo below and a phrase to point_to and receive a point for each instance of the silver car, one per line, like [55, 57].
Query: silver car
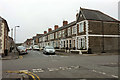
[22, 50]
[49, 50]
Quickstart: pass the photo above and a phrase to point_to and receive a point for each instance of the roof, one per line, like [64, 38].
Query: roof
[96, 15]
[62, 27]
[5, 22]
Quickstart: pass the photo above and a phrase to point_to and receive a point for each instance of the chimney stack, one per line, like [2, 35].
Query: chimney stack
[49, 29]
[65, 23]
[76, 15]
[55, 27]
[45, 32]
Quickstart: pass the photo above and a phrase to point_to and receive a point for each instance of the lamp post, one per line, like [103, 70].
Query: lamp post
[15, 37]
[15, 34]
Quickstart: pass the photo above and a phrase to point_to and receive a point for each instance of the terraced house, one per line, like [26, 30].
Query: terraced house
[4, 38]
[93, 30]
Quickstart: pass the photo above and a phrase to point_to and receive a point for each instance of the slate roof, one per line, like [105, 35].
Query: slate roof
[60, 28]
[96, 15]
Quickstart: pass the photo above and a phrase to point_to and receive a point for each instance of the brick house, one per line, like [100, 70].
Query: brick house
[4, 29]
[97, 31]
[92, 30]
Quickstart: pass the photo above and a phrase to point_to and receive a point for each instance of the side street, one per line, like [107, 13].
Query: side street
[84, 49]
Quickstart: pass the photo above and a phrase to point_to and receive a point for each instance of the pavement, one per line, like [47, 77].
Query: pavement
[85, 54]
[10, 56]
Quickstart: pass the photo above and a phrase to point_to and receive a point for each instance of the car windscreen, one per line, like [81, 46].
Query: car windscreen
[49, 47]
[21, 47]
[36, 46]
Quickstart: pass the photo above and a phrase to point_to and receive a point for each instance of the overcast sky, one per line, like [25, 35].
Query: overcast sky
[36, 16]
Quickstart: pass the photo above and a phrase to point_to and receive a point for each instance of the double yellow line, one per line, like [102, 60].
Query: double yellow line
[34, 76]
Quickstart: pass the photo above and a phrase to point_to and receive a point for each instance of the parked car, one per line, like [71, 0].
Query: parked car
[36, 47]
[29, 48]
[49, 50]
[22, 50]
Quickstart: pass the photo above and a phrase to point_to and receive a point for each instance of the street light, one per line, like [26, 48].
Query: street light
[15, 34]
[15, 38]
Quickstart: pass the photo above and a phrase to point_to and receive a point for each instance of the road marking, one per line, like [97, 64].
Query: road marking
[104, 73]
[35, 75]
[20, 57]
[114, 76]
[54, 69]
[63, 56]
[26, 72]
[37, 70]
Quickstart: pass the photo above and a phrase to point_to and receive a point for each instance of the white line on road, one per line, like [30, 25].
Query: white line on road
[104, 73]
[114, 76]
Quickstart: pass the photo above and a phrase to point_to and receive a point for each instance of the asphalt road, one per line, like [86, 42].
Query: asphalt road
[62, 66]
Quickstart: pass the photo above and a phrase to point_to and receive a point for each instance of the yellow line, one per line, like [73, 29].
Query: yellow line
[22, 72]
[20, 57]
[35, 75]
[30, 75]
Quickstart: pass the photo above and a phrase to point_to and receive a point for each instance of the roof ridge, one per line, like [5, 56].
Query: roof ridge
[89, 9]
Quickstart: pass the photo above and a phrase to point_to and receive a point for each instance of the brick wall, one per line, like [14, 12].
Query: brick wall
[110, 44]
[110, 28]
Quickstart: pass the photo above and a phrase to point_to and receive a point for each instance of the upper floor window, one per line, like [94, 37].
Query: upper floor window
[69, 31]
[56, 35]
[74, 29]
[81, 27]
[63, 33]
[59, 34]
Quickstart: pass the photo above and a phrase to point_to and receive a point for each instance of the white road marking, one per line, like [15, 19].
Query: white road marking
[38, 70]
[114, 76]
[63, 56]
[104, 73]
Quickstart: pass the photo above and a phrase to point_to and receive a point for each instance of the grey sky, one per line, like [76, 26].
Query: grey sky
[35, 16]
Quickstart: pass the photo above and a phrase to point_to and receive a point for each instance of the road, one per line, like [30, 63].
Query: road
[64, 66]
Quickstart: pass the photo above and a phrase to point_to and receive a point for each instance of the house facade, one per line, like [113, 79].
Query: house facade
[92, 30]
[4, 38]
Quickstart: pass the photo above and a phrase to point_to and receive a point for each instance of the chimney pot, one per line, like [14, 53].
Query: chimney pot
[49, 29]
[55, 27]
[65, 23]
[45, 32]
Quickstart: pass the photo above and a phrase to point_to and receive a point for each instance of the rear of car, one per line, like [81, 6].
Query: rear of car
[22, 50]
[36, 47]
[49, 50]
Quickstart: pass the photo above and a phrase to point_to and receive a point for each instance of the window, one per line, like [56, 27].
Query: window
[56, 35]
[81, 27]
[81, 43]
[69, 31]
[74, 29]
[52, 36]
[70, 43]
[67, 43]
[63, 33]
[59, 33]
[64, 44]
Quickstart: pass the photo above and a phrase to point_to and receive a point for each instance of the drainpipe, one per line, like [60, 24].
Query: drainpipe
[103, 51]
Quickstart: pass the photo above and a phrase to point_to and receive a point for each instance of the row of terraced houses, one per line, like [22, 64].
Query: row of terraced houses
[6, 42]
[92, 30]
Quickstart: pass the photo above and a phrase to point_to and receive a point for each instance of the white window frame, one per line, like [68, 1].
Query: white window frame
[74, 29]
[81, 43]
[81, 27]
[69, 31]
